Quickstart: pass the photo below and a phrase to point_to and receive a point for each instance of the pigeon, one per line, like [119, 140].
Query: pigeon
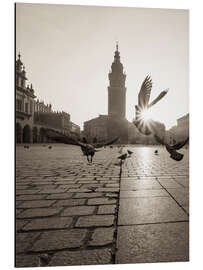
[172, 148]
[156, 152]
[146, 127]
[88, 150]
[26, 146]
[123, 157]
[129, 152]
[50, 147]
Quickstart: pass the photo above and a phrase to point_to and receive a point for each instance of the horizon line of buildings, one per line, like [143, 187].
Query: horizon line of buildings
[33, 116]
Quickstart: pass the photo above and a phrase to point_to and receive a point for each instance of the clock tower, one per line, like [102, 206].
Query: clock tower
[117, 89]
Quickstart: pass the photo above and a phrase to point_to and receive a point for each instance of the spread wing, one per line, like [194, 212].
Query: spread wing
[59, 137]
[160, 96]
[173, 153]
[145, 92]
[180, 144]
[99, 145]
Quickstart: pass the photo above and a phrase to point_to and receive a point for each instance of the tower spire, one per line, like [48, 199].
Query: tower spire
[117, 46]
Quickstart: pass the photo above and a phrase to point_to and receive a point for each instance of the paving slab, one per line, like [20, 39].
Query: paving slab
[102, 236]
[39, 212]
[96, 220]
[57, 240]
[181, 195]
[139, 184]
[78, 211]
[48, 223]
[82, 257]
[143, 193]
[149, 210]
[167, 242]
[25, 240]
[23, 260]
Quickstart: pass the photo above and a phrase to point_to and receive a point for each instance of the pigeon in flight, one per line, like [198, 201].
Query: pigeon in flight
[123, 157]
[172, 148]
[129, 152]
[143, 104]
[88, 150]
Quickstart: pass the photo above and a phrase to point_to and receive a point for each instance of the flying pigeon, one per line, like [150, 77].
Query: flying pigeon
[88, 150]
[172, 148]
[129, 152]
[123, 157]
[143, 104]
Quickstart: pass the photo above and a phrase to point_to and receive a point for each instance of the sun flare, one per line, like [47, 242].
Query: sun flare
[146, 115]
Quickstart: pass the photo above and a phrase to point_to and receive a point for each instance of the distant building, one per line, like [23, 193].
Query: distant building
[33, 116]
[75, 130]
[180, 131]
[96, 128]
[39, 106]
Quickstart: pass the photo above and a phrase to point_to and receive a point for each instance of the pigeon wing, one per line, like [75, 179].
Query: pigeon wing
[59, 137]
[161, 141]
[180, 144]
[145, 92]
[99, 145]
[160, 96]
[176, 156]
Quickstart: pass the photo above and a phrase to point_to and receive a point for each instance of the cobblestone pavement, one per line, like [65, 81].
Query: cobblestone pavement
[71, 213]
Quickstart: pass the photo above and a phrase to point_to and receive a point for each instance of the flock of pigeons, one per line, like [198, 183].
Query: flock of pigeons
[144, 127]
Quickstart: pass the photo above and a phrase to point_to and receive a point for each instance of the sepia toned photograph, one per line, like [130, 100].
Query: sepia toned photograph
[101, 135]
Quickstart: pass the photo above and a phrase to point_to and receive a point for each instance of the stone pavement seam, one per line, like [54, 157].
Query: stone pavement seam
[173, 198]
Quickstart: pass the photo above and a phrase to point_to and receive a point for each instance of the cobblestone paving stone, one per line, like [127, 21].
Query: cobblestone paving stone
[73, 213]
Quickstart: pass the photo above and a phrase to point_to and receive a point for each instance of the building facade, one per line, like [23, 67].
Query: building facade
[96, 128]
[24, 105]
[33, 116]
[180, 131]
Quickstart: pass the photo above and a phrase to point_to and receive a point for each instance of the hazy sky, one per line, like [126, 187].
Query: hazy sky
[68, 51]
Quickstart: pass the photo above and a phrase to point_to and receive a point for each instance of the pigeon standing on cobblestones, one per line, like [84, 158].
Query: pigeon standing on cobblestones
[88, 150]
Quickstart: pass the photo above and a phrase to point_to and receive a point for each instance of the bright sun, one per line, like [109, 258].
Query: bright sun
[146, 115]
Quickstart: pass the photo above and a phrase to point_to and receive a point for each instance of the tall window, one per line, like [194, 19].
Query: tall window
[19, 105]
[19, 80]
[31, 106]
[26, 107]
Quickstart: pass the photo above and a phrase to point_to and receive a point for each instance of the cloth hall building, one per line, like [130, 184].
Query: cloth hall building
[33, 116]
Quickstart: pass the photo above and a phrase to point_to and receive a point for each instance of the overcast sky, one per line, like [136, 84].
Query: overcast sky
[68, 52]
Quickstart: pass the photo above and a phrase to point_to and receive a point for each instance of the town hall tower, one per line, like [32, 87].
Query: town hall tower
[117, 89]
